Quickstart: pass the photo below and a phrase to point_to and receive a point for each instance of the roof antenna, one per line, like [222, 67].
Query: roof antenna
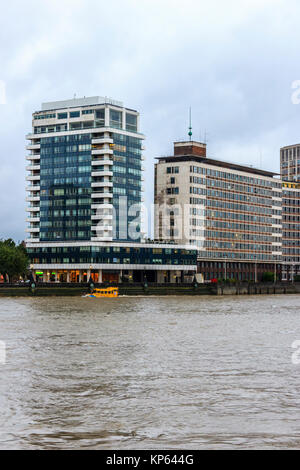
[190, 127]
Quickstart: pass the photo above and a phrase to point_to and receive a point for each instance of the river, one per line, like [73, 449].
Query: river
[150, 373]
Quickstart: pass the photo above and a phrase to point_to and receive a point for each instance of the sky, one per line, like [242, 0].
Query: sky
[233, 62]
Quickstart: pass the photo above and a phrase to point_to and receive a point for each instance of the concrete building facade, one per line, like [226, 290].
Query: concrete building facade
[290, 163]
[290, 174]
[232, 213]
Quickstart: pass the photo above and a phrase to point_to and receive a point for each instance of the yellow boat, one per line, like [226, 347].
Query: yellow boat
[105, 292]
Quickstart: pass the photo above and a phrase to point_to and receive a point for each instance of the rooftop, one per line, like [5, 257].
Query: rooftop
[219, 163]
[76, 102]
[289, 146]
[193, 151]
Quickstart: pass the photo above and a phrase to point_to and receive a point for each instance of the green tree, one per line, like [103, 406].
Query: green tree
[268, 277]
[13, 259]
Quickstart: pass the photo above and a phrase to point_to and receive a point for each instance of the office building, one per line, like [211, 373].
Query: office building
[85, 192]
[290, 163]
[290, 174]
[231, 212]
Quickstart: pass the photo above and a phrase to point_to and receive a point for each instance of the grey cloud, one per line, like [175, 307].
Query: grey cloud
[233, 61]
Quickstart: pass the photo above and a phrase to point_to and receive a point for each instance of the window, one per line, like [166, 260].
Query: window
[62, 115]
[172, 190]
[45, 116]
[100, 114]
[131, 122]
[75, 114]
[115, 119]
[100, 117]
[172, 169]
[75, 125]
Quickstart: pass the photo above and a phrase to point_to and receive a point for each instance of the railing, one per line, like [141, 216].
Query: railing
[150, 284]
[96, 284]
[94, 126]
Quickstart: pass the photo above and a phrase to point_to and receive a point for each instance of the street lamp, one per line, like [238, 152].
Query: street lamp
[90, 281]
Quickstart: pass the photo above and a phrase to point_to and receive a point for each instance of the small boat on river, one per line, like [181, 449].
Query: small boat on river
[105, 292]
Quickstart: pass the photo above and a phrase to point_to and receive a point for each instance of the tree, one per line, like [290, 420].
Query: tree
[268, 276]
[13, 259]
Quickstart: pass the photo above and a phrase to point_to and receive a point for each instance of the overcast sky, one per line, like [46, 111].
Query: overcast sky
[234, 62]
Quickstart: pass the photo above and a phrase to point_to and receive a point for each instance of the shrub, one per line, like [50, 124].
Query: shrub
[268, 277]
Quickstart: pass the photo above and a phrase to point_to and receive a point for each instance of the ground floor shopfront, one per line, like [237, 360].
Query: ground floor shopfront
[114, 276]
[112, 262]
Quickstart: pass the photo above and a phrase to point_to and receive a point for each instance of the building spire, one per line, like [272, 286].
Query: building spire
[190, 126]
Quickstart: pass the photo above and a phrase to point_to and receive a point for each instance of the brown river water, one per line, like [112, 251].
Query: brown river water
[150, 373]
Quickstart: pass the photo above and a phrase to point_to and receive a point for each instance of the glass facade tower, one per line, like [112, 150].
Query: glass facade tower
[86, 163]
[85, 194]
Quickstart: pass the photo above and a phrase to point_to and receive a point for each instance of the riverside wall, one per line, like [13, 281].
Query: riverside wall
[63, 289]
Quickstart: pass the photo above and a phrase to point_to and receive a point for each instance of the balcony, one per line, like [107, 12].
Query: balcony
[101, 239]
[102, 161]
[33, 167]
[102, 184]
[32, 219]
[33, 178]
[102, 217]
[102, 152]
[105, 229]
[98, 195]
[33, 199]
[33, 209]
[33, 147]
[102, 140]
[102, 206]
[102, 173]
[32, 230]
[32, 240]
[33, 188]
[35, 156]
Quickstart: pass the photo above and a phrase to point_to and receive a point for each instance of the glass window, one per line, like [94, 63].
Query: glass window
[100, 113]
[75, 114]
[75, 125]
[131, 122]
[115, 119]
[62, 115]
[100, 117]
